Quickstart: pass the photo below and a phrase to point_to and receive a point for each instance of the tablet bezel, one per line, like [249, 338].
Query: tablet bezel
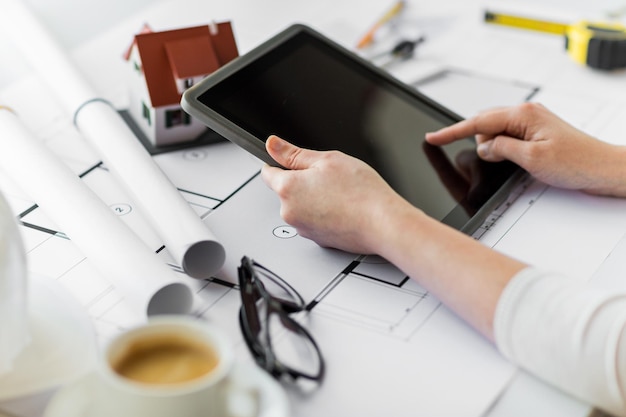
[191, 103]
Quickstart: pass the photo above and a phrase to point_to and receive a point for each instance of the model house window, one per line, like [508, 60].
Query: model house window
[146, 113]
[176, 118]
[183, 84]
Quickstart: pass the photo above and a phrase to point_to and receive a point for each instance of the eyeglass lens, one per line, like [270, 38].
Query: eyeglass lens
[290, 344]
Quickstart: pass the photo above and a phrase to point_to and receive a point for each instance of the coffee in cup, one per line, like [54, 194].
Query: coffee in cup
[175, 366]
[165, 359]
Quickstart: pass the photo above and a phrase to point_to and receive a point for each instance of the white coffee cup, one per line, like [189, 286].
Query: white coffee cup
[219, 392]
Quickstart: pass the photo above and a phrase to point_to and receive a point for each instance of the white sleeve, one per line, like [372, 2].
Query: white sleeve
[566, 333]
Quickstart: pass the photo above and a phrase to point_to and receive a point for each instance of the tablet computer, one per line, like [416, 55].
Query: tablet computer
[310, 91]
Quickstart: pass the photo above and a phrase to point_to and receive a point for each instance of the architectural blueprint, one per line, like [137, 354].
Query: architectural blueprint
[364, 295]
[383, 336]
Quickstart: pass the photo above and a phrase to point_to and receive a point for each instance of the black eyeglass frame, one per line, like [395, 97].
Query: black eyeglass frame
[252, 289]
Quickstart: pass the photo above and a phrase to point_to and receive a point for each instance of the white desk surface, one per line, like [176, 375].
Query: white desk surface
[456, 39]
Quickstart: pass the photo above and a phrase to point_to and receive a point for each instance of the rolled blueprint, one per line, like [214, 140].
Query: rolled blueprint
[186, 237]
[149, 285]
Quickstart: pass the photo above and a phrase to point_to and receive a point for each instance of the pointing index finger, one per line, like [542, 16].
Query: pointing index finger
[489, 123]
[452, 133]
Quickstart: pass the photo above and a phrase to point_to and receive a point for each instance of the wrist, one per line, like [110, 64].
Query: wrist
[398, 225]
[610, 172]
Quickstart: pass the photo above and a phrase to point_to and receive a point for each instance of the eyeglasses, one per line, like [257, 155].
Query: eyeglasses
[278, 343]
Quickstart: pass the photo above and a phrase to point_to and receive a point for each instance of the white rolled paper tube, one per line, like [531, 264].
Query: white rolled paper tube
[186, 237]
[15, 332]
[189, 241]
[148, 284]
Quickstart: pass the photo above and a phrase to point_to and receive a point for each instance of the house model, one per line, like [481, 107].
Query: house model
[161, 66]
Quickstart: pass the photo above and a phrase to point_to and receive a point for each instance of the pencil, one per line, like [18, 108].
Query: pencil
[368, 38]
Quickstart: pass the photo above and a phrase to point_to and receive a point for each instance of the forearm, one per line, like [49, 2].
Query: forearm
[464, 274]
[562, 332]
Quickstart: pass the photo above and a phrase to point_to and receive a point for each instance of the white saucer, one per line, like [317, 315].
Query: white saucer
[62, 346]
[76, 399]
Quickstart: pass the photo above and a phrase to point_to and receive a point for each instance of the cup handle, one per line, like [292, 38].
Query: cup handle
[252, 393]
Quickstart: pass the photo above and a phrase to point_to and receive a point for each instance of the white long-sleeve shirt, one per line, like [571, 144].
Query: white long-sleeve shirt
[569, 334]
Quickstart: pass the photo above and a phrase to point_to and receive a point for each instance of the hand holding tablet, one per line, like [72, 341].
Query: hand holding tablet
[307, 89]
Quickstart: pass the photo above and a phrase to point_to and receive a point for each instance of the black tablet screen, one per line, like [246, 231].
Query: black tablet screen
[320, 98]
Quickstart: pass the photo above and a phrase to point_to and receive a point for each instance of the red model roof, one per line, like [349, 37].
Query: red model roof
[191, 57]
[182, 53]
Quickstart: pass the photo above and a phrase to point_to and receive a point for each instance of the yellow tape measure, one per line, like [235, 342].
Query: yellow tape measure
[595, 44]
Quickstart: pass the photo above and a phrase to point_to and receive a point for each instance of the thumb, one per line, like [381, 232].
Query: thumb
[501, 148]
[288, 155]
